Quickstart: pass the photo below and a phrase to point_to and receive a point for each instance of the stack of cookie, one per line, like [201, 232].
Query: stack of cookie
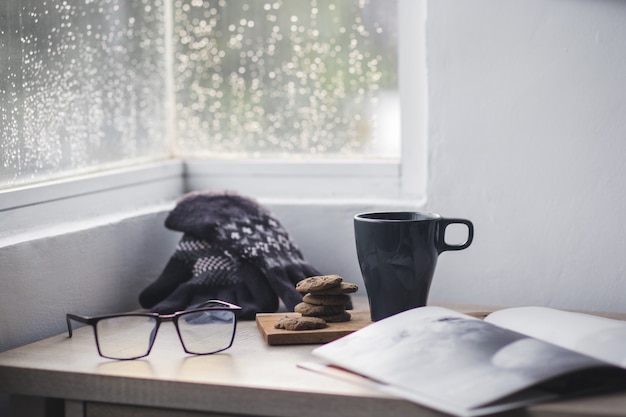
[325, 297]
[325, 301]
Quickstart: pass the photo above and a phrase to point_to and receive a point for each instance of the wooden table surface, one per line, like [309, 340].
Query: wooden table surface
[251, 378]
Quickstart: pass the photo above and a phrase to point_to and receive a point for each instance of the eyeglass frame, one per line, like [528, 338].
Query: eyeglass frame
[159, 318]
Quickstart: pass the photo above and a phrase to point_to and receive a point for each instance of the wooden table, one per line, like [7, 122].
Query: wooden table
[60, 376]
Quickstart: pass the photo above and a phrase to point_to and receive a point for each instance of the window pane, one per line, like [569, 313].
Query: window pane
[286, 77]
[82, 86]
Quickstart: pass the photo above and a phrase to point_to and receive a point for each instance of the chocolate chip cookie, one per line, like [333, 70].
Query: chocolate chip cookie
[337, 318]
[342, 288]
[307, 309]
[326, 300]
[318, 283]
[300, 323]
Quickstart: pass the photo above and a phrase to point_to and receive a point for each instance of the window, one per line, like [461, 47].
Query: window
[90, 84]
[306, 99]
[286, 78]
[83, 86]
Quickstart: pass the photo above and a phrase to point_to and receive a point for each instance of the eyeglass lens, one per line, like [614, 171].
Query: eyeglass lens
[208, 331]
[126, 337]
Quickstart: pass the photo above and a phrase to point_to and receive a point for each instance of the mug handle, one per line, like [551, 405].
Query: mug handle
[442, 246]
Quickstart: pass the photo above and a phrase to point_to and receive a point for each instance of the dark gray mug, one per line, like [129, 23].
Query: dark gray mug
[397, 253]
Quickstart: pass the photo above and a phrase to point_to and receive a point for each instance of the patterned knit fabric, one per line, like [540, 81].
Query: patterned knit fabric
[249, 232]
[260, 236]
[209, 265]
[193, 274]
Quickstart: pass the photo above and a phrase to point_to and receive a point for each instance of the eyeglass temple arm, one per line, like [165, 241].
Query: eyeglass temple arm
[81, 319]
[220, 302]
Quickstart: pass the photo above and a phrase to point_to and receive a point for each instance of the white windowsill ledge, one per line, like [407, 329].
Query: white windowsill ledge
[62, 206]
[328, 182]
[54, 207]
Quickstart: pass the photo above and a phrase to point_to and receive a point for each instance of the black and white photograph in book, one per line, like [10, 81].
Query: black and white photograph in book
[482, 359]
[464, 365]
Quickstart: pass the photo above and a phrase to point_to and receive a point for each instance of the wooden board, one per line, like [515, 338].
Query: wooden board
[266, 321]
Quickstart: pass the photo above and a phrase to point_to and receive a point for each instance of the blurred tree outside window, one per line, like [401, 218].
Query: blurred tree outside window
[285, 78]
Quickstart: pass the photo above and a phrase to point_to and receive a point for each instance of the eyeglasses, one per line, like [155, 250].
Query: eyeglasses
[204, 329]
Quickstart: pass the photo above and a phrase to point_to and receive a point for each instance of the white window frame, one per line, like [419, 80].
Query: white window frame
[60, 206]
[346, 180]
[35, 208]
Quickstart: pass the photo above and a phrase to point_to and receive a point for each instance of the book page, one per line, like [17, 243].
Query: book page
[448, 358]
[599, 337]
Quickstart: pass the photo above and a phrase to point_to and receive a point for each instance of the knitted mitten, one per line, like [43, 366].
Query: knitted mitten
[199, 271]
[249, 232]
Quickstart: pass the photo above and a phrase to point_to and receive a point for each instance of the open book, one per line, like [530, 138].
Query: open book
[465, 366]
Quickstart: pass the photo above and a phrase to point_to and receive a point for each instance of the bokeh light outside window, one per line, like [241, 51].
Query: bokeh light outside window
[85, 82]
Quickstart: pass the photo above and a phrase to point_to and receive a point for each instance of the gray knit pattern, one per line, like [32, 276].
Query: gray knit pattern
[211, 265]
[263, 239]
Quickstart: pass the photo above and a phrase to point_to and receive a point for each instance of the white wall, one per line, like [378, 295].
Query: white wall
[528, 139]
[96, 270]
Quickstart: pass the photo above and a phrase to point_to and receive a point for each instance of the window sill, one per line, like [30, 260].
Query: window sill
[308, 181]
[334, 189]
[57, 206]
